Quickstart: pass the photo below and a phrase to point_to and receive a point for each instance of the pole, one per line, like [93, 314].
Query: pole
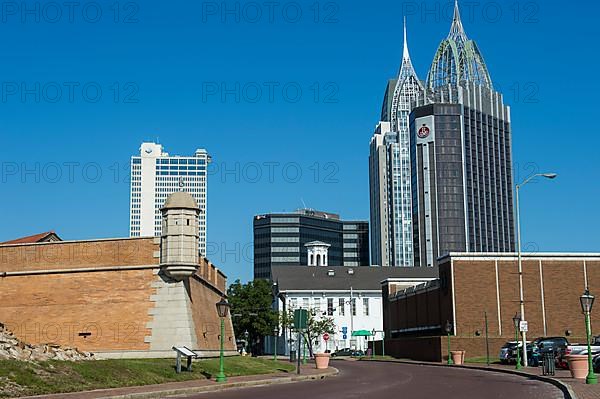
[591, 377]
[304, 347]
[521, 301]
[275, 352]
[298, 345]
[487, 342]
[221, 376]
[518, 355]
[351, 315]
[383, 343]
[450, 362]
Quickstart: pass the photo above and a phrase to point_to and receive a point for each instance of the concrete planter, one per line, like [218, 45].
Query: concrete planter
[322, 360]
[458, 357]
[578, 364]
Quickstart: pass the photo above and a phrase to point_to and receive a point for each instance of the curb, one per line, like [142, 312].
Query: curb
[225, 386]
[565, 388]
[209, 388]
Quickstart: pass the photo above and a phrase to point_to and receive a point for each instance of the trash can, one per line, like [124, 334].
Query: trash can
[548, 366]
[292, 356]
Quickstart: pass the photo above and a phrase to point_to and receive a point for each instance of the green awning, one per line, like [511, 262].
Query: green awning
[361, 333]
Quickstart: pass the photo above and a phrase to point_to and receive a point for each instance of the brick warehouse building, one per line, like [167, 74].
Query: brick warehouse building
[122, 297]
[471, 285]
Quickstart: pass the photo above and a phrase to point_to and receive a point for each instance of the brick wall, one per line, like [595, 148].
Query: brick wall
[488, 285]
[44, 298]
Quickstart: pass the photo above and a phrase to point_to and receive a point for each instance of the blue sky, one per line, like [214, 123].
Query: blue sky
[284, 98]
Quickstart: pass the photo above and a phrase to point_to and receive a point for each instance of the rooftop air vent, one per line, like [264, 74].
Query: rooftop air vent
[350, 271]
[330, 273]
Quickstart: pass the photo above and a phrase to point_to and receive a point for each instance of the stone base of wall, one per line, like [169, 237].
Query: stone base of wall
[158, 354]
[435, 349]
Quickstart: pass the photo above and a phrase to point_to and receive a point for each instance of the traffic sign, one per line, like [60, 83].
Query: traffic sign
[300, 319]
[344, 330]
[344, 336]
[326, 337]
[523, 326]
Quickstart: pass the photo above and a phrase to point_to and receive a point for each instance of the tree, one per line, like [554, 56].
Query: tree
[317, 325]
[251, 310]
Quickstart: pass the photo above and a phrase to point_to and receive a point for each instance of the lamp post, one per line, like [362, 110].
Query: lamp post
[587, 301]
[276, 331]
[373, 351]
[448, 331]
[517, 322]
[522, 303]
[222, 309]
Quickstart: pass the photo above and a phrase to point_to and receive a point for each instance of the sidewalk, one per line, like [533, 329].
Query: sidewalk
[308, 372]
[577, 389]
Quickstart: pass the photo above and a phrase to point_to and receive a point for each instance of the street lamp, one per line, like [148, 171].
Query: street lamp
[522, 303]
[276, 332]
[373, 351]
[222, 309]
[448, 331]
[517, 322]
[587, 301]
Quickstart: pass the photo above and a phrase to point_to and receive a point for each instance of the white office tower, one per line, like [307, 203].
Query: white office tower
[390, 170]
[154, 176]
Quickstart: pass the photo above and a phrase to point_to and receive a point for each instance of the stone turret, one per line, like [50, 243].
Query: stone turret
[179, 239]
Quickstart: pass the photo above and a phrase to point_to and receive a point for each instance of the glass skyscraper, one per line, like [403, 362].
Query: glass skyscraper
[154, 176]
[389, 170]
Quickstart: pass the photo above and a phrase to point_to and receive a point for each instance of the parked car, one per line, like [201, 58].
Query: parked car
[579, 349]
[508, 352]
[347, 352]
[545, 345]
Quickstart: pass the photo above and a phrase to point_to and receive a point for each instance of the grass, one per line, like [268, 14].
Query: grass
[376, 357]
[19, 378]
[481, 359]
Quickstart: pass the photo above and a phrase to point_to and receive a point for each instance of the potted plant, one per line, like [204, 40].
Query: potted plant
[578, 364]
[458, 357]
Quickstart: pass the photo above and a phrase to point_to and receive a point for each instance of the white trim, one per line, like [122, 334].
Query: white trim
[513, 256]
[498, 300]
[453, 295]
[585, 279]
[77, 270]
[543, 300]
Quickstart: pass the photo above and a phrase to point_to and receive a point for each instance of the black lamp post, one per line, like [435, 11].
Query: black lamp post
[517, 322]
[587, 301]
[448, 331]
[222, 310]
[276, 333]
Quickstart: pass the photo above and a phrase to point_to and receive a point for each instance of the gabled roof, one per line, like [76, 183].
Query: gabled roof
[309, 278]
[41, 237]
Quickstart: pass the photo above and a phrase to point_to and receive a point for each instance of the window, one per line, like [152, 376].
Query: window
[365, 306]
[329, 306]
[353, 306]
[342, 307]
[318, 304]
[293, 303]
[305, 303]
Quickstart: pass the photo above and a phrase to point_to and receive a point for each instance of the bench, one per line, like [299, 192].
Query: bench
[187, 352]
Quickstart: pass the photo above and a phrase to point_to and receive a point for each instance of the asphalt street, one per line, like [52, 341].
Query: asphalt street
[392, 380]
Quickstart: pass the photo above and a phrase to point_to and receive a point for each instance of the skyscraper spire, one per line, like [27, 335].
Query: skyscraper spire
[406, 67]
[405, 52]
[456, 30]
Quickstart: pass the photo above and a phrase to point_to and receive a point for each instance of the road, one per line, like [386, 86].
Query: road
[366, 380]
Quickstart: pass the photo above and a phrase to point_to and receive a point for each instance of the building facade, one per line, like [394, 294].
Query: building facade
[280, 240]
[154, 176]
[389, 170]
[479, 292]
[350, 296]
[131, 297]
[461, 157]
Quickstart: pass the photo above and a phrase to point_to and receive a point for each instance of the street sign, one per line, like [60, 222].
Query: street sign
[345, 330]
[326, 337]
[300, 319]
[344, 336]
[523, 326]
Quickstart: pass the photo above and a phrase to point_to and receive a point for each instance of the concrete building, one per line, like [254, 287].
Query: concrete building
[280, 240]
[474, 287]
[154, 176]
[117, 297]
[461, 156]
[349, 295]
[390, 171]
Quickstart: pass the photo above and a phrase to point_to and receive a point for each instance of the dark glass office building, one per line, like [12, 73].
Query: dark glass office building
[461, 180]
[279, 240]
